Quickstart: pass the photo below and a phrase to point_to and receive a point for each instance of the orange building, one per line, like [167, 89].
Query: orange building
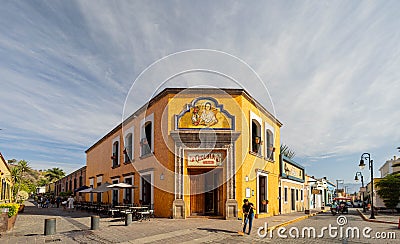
[70, 183]
[192, 152]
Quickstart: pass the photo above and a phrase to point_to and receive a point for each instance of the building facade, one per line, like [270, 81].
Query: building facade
[192, 152]
[291, 188]
[70, 182]
[5, 181]
[320, 192]
[390, 166]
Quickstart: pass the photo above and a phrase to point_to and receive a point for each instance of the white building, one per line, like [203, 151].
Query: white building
[391, 166]
[40, 190]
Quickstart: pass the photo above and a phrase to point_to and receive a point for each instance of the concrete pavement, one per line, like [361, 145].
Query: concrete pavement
[381, 217]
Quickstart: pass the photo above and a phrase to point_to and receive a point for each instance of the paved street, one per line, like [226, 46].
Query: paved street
[73, 227]
[326, 219]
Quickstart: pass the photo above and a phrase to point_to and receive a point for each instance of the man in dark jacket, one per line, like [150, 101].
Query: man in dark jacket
[248, 212]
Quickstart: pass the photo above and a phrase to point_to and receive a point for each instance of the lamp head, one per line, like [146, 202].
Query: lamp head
[362, 164]
[356, 178]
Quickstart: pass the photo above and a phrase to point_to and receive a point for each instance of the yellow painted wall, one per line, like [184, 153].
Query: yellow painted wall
[5, 194]
[300, 205]
[252, 162]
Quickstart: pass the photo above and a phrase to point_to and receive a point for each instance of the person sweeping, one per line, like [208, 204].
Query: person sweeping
[248, 212]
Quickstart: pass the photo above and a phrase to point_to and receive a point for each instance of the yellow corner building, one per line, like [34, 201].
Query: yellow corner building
[5, 181]
[192, 152]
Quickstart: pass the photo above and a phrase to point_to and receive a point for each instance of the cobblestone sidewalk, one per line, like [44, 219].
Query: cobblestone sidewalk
[74, 227]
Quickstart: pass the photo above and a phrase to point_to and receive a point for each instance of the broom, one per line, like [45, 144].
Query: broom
[240, 232]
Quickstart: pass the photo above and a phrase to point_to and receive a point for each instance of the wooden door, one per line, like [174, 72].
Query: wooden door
[197, 196]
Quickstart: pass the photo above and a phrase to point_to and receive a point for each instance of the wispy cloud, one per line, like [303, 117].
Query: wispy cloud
[331, 68]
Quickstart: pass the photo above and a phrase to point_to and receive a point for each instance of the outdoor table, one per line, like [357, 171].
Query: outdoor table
[141, 212]
[121, 207]
[139, 208]
[111, 211]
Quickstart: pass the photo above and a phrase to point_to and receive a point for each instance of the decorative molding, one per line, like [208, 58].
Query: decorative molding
[145, 170]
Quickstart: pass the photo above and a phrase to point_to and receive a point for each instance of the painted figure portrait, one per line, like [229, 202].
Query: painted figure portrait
[204, 114]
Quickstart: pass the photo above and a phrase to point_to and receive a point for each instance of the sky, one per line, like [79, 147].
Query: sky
[331, 69]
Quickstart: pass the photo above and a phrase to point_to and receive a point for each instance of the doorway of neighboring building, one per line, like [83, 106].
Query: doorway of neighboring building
[146, 189]
[115, 194]
[280, 199]
[293, 199]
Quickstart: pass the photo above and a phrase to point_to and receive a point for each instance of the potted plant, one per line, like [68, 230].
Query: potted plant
[9, 213]
[264, 202]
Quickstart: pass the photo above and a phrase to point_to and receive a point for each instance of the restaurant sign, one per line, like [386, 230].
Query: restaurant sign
[204, 159]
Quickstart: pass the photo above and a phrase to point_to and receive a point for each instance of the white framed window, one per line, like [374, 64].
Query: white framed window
[129, 149]
[285, 194]
[147, 135]
[146, 186]
[269, 145]
[115, 194]
[128, 193]
[255, 134]
[269, 141]
[91, 184]
[302, 195]
[115, 152]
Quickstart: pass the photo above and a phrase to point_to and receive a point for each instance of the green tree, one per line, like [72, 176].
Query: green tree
[389, 190]
[54, 174]
[43, 182]
[286, 151]
[24, 167]
[19, 171]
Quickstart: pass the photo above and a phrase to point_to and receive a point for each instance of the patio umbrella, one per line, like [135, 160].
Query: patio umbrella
[81, 188]
[121, 185]
[87, 190]
[103, 188]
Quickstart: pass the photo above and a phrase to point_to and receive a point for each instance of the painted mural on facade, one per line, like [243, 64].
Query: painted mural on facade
[204, 113]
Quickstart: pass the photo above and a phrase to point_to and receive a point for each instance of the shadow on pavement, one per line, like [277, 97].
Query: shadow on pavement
[217, 230]
[31, 209]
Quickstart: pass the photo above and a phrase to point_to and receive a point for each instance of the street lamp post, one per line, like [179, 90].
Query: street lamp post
[367, 156]
[362, 185]
[337, 186]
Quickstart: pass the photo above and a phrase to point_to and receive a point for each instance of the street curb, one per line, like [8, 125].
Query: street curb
[365, 218]
[295, 220]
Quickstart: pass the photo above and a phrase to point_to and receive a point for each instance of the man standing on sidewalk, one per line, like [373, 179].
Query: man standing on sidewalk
[248, 212]
[70, 201]
[58, 201]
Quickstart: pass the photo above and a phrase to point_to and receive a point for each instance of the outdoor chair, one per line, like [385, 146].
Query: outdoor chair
[143, 215]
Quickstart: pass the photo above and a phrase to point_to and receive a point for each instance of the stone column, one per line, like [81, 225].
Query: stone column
[178, 206]
[231, 206]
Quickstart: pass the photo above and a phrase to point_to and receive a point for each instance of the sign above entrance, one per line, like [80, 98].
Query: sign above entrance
[204, 159]
[205, 112]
